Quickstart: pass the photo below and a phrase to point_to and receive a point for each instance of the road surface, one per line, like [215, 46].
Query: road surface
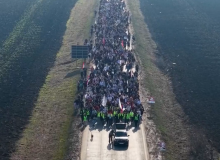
[98, 148]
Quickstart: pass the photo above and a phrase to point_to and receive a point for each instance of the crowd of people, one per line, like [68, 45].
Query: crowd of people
[110, 93]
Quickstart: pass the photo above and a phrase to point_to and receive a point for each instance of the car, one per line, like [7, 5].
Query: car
[121, 136]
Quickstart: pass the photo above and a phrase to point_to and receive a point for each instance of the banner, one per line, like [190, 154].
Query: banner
[122, 43]
[150, 100]
[121, 107]
[104, 101]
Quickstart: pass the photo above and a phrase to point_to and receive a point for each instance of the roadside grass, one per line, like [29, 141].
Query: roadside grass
[46, 135]
[144, 49]
[153, 80]
[167, 114]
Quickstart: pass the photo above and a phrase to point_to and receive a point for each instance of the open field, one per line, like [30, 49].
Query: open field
[53, 113]
[36, 107]
[10, 13]
[186, 33]
[26, 56]
[183, 139]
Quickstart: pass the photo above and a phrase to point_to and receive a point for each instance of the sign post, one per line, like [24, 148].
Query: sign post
[80, 51]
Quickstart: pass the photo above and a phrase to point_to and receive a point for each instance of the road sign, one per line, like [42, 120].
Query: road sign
[80, 51]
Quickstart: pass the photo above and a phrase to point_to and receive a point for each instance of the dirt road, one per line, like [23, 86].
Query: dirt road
[98, 148]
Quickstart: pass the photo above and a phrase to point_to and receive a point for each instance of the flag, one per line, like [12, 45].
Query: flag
[104, 101]
[122, 43]
[119, 103]
[83, 65]
[88, 80]
[151, 100]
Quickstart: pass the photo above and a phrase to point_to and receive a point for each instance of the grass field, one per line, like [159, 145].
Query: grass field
[36, 101]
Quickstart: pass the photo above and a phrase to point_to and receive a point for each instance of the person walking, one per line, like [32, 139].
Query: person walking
[88, 114]
[84, 119]
[99, 115]
[127, 118]
[119, 117]
[132, 115]
[136, 118]
[107, 119]
[103, 118]
[124, 117]
[81, 114]
[81, 73]
[116, 116]
[111, 134]
[110, 120]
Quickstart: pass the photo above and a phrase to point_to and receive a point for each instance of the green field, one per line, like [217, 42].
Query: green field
[31, 36]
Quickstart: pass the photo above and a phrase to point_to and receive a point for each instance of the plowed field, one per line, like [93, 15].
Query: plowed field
[187, 35]
[30, 37]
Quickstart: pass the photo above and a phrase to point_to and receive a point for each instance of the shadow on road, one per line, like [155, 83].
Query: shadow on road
[109, 146]
[135, 129]
[98, 125]
[120, 148]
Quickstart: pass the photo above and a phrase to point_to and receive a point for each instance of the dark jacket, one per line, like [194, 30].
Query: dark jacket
[111, 133]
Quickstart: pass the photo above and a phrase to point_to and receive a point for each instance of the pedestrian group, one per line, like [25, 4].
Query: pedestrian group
[111, 90]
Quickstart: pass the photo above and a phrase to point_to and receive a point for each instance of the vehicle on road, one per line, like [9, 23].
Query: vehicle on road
[121, 136]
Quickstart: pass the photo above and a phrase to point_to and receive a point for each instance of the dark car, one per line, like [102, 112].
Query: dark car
[121, 136]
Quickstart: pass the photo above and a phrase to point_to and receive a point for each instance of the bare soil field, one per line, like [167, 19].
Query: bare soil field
[186, 33]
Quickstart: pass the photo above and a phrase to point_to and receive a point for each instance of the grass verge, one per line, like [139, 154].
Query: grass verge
[46, 135]
[156, 84]
[145, 49]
